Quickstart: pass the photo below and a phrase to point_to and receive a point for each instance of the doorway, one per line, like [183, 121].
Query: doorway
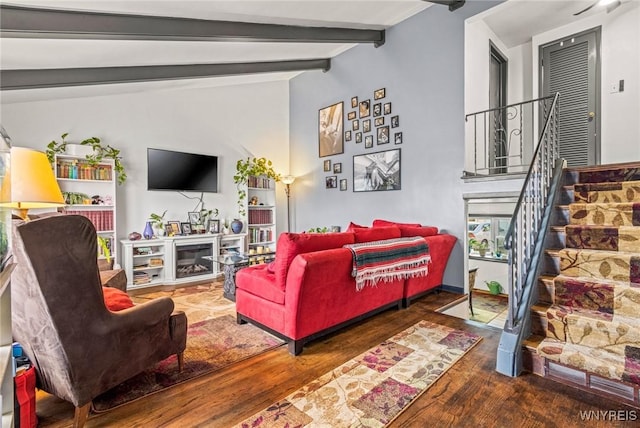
[571, 66]
[498, 120]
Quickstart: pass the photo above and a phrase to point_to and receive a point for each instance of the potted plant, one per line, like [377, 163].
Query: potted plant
[251, 167]
[494, 287]
[99, 152]
[157, 222]
[481, 247]
[103, 249]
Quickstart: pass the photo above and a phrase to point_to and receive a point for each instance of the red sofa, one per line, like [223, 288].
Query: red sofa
[308, 291]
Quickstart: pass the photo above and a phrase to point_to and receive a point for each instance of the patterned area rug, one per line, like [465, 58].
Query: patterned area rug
[375, 387]
[487, 306]
[214, 340]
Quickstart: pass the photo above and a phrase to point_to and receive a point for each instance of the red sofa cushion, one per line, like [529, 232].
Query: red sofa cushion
[376, 233]
[291, 244]
[407, 231]
[382, 223]
[260, 281]
[116, 300]
[353, 227]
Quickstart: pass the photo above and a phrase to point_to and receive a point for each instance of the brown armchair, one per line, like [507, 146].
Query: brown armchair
[78, 347]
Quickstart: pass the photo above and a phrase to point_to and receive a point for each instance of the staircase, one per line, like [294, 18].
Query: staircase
[588, 313]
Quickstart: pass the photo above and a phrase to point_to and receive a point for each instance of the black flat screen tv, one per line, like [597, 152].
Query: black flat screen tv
[169, 170]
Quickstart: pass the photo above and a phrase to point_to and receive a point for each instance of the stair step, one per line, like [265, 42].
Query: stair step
[539, 319]
[531, 361]
[546, 289]
[628, 171]
[610, 265]
[622, 238]
[620, 191]
[558, 229]
[613, 214]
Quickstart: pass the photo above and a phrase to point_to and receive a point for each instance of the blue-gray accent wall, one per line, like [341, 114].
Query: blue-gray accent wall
[421, 66]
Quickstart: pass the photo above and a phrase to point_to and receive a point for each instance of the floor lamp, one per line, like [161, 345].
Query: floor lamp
[288, 181]
[30, 182]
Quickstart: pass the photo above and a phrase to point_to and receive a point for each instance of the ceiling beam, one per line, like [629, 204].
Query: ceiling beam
[17, 21]
[61, 77]
[453, 4]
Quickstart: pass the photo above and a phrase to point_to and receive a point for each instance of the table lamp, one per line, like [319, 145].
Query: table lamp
[30, 182]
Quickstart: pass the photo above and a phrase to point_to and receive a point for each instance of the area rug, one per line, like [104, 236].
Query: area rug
[375, 387]
[487, 306]
[212, 343]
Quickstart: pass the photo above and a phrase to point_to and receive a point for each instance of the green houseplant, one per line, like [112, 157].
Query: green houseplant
[100, 152]
[157, 222]
[251, 167]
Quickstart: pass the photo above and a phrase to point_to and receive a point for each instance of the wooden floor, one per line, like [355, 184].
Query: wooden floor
[470, 394]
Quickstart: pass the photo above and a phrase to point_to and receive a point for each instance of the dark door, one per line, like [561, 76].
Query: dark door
[498, 120]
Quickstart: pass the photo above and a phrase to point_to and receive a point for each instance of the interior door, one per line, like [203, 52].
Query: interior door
[571, 66]
[498, 119]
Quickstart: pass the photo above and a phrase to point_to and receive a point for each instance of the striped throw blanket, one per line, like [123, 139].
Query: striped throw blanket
[389, 260]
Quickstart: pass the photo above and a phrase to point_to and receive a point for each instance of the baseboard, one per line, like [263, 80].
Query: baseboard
[452, 289]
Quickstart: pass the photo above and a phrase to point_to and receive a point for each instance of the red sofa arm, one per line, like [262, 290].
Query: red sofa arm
[440, 247]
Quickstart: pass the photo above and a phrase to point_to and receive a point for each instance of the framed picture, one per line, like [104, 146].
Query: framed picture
[358, 137]
[379, 93]
[368, 141]
[327, 165]
[377, 109]
[379, 121]
[330, 125]
[337, 168]
[351, 115]
[354, 102]
[387, 108]
[378, 171]
[395, 121]
[173, 228]
[383, 135]
[347, 136]
[214, 226]
[397, 138]
[356, 125]
[331, 182]
[194, 217]
[366, 125]
[343, 184]
[186, 228]
[364, 108]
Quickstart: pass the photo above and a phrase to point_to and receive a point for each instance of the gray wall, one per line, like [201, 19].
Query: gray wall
[421, 65]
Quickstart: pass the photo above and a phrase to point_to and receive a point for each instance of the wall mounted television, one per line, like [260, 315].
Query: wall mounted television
[189, 172]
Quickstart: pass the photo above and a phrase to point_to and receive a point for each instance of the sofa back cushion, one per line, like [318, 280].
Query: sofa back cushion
[292, 244]
[369, 234]
[407, 231]
[384, 223]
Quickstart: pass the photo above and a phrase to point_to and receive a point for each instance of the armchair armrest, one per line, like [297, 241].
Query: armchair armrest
[137, 317]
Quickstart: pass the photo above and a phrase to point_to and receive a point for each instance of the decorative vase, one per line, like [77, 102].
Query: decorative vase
[158, 231]
[148, 231]
[236, 226]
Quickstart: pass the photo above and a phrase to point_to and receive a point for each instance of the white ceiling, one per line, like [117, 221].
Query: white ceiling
[515, 22]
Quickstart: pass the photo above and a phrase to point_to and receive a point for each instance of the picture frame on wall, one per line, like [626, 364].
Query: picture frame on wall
[331, 182]
[330, 130]
[383, 135]
[337, 168]
[397, 138]
[358, 137]
[387, 108]
[194, 218]
[379, 93]
[366, 125]
[186, 228]
[173, 228]
[356, 125]
[327, 165]
[395, 121]
[347, 136]
[379, 121]
[343, 184]
[377, 109]
[379, 171]
[351, 115]
[368, 141]
[354, 102]
[364, 108]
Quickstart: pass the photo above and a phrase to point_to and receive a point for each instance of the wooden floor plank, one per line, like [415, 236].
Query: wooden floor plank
[470, 394]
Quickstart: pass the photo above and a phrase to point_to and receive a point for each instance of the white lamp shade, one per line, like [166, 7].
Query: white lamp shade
[288, 179]
[30, 181]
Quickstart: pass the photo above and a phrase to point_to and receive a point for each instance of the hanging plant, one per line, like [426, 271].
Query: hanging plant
[100, 152]
[251, 167]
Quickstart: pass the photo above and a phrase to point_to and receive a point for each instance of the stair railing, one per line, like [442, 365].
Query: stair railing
[525, 237]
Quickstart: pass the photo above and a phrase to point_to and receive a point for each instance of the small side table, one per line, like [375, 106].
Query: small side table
[472, 282]
[231, 264]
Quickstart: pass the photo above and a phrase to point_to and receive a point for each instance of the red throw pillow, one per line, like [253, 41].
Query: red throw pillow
[377, 233]
[291, 244]
[407, 231]
[116, 300]
[353, 227]
[382, 223]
